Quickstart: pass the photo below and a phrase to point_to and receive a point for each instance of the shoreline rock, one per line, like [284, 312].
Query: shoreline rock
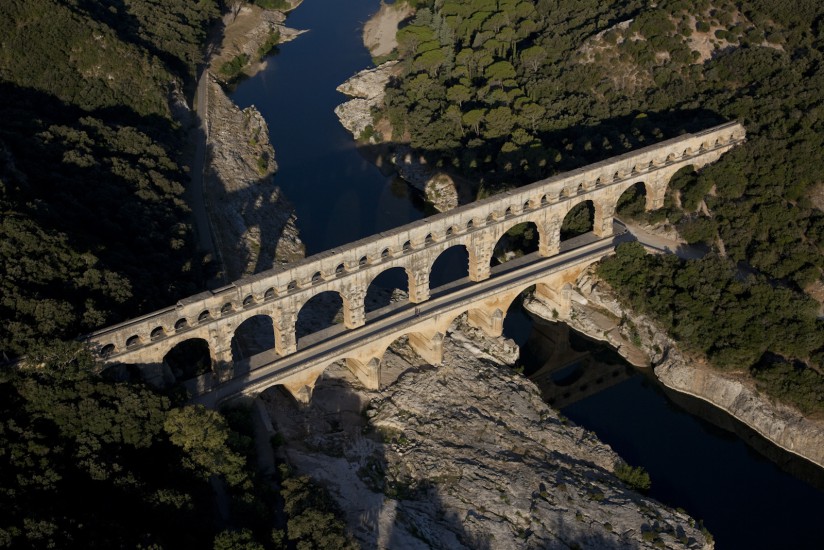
[253, 221]
[598, 314]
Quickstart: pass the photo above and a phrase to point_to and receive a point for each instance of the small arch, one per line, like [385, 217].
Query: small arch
[254, 335]
[519, 240]
[107, 350]
[157, 333]
[687, 153]
[363, 261]
[633, 201]
[598, 182]
[450, 265]
[189, 358]
[320, 312]
[340, 270]
[407, 247]
[526, 206]
[544, 200]
[651, 165]
[670, 158]
[508, 212]
[269, 294]
[204, 316]
[133, 341]
[248, 301]
[181, 324]
[634, 171]
[704, 146]
[317, 278]
[579, 220]
[381, 291]
[450, 231]
[227, 308]
[580, 189]
[617, 176]
[428, 240]
[470, 224]
[293, 285]
[490, 218]
[384, 253]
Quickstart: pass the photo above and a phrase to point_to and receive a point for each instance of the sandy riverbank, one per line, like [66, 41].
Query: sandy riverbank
[379, 32]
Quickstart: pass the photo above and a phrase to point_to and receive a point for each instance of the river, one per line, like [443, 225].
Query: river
[745, 500]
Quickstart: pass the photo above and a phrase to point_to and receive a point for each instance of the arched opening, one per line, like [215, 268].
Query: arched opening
[189, 359]
[254, 335]
[390, 287]
[107, 350]
[157, 333]
[248, 301]
[181, 324]
[363, 261]
[633, 202]
[544, 200]
[227, 308]
[133, 341]
[407, 247]
[269, 294]
[384, 253]
[451, 265]
[204, 316]
[517, 322]
[321, 312]
[428, 240]
[578, 221]
[520, 240]
[317, 278]
[340, 270]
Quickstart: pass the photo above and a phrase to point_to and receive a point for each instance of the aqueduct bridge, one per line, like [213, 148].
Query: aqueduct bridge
[280, 293]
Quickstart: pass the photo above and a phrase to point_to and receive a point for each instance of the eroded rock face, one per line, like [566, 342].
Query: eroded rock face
[368, 89]
[644, 344]
[467, 455]
[254, 222]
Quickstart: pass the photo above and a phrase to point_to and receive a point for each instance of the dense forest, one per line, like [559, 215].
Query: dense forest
[509, 91]
[94, 227]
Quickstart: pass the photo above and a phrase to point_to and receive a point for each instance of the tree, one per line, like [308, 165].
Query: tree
[474, 119]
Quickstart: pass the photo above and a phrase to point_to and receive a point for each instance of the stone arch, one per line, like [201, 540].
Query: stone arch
[381, 289]
[189, 359]
[580, 219]
[157, 333]
[181, 324]
[204, 317]
[226, 308]
[107, 351]
[253, 336]
[450, 265]
[518, 240]
[633, 201]
[269, 294]
[133, 341]
[318, 313]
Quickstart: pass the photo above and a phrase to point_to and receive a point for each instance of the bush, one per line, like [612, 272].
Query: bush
[636, 477]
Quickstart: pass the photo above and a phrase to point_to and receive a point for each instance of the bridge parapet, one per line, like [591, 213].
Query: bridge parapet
[348, 270]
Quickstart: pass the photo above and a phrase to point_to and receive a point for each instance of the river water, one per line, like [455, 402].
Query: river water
[744, 499]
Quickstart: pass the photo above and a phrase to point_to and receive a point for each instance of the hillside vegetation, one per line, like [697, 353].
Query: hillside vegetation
[509, 91]
[93, 226]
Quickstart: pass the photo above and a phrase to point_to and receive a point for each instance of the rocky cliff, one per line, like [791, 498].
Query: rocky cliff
[467, 455]
[597, 313]
[253, 222]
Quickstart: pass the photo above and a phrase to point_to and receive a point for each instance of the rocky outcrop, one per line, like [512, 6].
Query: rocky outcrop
[368, 88]
[253, 222]
[598, 314]
[466, 455]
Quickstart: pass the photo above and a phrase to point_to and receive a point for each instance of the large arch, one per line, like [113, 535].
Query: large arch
[579, 220]
[450, 265]
[633, 201]
[320, 312]
[383, 290]
[521, 239]
[189, 359]
[254, 335]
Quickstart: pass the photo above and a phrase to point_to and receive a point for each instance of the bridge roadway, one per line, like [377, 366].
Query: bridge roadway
[267, 369]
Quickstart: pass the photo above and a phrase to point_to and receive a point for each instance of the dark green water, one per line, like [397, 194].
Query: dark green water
[745, 500]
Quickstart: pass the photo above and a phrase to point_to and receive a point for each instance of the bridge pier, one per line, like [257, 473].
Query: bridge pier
[419, 285]
[549, 239]
[480, 254]
[604, 213]
[285, 333]
[368, 373]
[428, 345]
[491, 322]
[354, 308]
